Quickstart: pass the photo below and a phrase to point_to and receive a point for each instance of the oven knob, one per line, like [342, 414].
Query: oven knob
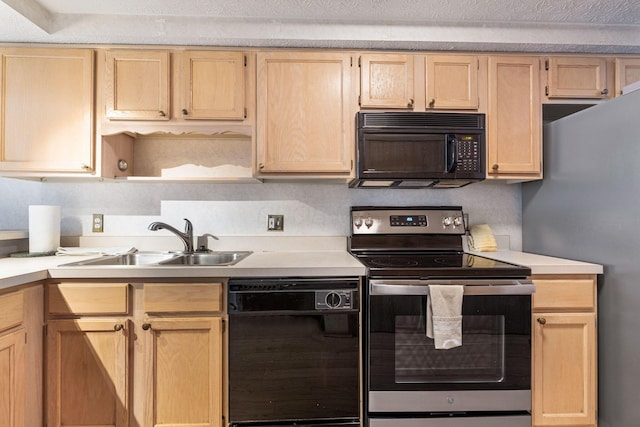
[447, 221]
[358, 222]
[457, 221]
[368, 222]
[333, 300]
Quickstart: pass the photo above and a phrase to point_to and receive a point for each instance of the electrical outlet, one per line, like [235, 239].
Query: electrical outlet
[275, 222]
[97, 225]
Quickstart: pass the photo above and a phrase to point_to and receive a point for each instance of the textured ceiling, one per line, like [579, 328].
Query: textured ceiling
[607, 26]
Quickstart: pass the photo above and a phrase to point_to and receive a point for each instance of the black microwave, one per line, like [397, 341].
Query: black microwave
[419, 149]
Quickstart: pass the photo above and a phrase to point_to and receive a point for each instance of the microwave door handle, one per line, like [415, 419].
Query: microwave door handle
[452, 153]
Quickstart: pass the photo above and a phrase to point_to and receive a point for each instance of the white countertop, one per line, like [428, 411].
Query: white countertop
[278, 262]
[542, 264]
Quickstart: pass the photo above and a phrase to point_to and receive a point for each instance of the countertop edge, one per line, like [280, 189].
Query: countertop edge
[16, 271]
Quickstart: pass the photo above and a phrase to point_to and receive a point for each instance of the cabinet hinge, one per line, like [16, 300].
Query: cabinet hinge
[351, 164]
[245, 112]
[224, 326]
[360, 61]
[25, 338]
[245, 60]
[359, 101]
[546, 90]
[546, 64]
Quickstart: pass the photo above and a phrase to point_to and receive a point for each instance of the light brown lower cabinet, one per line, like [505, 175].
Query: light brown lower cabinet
[564, 338]
[136, 368]
[21, 323]
[87, 372]
[183, 372]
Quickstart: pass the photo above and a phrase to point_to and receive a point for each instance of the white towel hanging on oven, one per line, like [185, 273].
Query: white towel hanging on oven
[444, 315]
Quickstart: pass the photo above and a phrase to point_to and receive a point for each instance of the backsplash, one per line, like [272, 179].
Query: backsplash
[309, 209]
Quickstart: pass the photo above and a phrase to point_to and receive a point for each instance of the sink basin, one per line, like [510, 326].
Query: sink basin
[136, 258]
[159, 259]
[208, 258]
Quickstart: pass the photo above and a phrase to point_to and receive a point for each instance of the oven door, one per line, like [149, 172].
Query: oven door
[491, 371]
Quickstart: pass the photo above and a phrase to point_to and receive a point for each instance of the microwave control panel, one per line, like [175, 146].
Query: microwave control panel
[468, 153]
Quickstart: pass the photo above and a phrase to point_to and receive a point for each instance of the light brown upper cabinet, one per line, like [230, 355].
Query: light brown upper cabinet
[305, 113]
[627, 72]
[419, 82]
[213, 85]
[46, 110]
[137, 85]
[205, 85]
[452, 82]
[514, 130]
[576, 77]
[386, 81]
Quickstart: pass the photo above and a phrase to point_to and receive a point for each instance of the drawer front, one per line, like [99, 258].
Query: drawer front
[88, 299]
[11, 310]
[570, 294]
[182, 297]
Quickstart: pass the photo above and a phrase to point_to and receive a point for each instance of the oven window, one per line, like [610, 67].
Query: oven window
[495, 352]
[479, 359]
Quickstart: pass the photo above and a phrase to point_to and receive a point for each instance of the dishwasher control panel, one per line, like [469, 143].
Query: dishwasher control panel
[334, 300]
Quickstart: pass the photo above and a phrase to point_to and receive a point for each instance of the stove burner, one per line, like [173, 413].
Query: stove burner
[393, 262]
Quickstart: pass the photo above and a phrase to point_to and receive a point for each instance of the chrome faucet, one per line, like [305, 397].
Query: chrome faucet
[186, 237]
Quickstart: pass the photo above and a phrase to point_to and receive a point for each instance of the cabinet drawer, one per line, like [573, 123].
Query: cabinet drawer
[182, 297]
[569, 294]
[88, 299]
[11, 310]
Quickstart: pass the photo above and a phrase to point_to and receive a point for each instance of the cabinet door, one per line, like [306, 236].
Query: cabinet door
[12, 379]
[184, 369]
[46, 110]
[137, 85]
[452, 82]
[87, 373]
[213, 85]
[564, 369]
[576, 77]
[386, 81]
[304, 114]
[627, 72]
[514, 133]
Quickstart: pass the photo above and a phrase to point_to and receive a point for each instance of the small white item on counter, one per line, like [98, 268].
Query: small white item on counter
[444, 315]
[44, 228]
[481, 238]
[96, 251]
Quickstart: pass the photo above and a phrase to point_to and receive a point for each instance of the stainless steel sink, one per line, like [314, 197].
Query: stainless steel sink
[208, 258]
[136, 258]
[159, 259]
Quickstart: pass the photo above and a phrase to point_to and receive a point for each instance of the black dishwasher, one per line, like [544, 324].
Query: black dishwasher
[294, 352]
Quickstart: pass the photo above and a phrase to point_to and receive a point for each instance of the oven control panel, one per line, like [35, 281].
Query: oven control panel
[430, 220]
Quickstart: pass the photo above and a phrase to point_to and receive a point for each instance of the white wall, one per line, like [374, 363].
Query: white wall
[313, 209]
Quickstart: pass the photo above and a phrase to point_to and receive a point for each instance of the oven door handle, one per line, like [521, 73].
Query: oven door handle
[471, 287]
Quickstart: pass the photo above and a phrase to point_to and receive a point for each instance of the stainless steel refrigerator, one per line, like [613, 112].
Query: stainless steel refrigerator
[588, 208]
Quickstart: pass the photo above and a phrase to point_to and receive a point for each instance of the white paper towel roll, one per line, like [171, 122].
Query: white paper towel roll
[44, 228]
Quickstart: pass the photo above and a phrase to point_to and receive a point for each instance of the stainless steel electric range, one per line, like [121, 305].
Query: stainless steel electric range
[408, 382]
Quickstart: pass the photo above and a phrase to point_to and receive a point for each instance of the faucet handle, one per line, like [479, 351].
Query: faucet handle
[203, 242]
[188, 226]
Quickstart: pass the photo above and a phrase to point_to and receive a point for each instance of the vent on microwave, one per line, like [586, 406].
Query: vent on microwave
[422, 120]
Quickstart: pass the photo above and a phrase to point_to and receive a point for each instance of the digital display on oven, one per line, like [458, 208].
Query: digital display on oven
[408, 220]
